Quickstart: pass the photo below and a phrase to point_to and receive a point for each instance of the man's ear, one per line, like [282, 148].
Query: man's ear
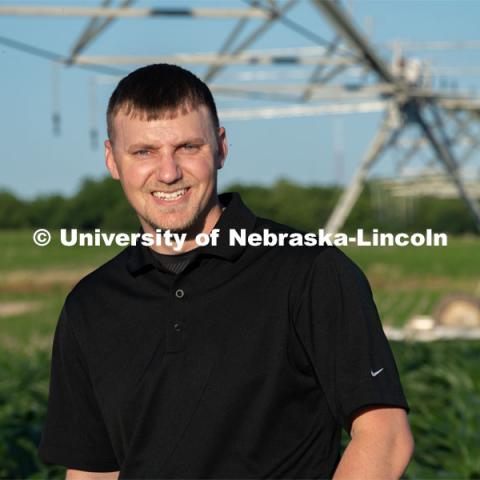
[222, 147]
[110, 160]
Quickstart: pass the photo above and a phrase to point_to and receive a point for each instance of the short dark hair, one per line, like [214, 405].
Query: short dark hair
[156, 91]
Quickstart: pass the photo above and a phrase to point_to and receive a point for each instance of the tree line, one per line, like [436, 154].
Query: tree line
[101, 204]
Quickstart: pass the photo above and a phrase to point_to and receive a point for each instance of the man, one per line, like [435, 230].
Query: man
[223, 361]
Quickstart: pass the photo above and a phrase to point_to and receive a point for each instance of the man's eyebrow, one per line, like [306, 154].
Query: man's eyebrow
[151, 146]
[142, 146]
[195, 140]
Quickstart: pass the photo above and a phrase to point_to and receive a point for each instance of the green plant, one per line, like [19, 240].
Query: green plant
[442, 384]
[23, 398]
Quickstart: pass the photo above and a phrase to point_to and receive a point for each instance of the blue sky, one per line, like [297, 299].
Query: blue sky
[34, 161]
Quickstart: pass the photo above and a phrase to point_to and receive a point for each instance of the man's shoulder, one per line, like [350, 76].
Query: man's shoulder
[326, 262]
[315, 252]
[321, 271]
[88, 286]
[263, 223]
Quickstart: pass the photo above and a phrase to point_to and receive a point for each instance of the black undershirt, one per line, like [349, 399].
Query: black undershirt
[175, 263]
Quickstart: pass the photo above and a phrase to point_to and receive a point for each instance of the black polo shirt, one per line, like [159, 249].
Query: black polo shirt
[244, 365]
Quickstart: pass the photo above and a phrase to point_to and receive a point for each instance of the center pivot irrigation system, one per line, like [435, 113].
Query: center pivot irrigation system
[418, 116]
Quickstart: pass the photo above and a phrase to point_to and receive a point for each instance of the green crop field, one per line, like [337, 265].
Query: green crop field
[405, 281]
[411, 281]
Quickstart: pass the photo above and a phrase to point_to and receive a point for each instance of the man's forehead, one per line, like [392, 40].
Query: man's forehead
[185, 110]
[176, 125]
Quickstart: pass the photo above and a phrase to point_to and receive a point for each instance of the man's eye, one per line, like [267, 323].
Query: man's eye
[190, 147]
[142, 153]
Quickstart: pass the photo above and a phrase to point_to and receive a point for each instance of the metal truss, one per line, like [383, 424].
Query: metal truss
[406, 108]
[343, 74]
[117, 12]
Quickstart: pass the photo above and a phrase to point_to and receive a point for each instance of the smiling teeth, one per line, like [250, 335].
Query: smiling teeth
[170, 196]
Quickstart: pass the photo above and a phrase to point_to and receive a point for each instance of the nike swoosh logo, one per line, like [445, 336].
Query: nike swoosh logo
[374, 374]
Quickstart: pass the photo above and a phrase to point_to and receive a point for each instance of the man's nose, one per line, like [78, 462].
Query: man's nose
[168, 170]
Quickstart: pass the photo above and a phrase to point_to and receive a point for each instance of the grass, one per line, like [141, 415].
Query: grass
[35, 324]
[40, 277]
[411, 280]
[405, 281]
[20, 253]
[460, 259]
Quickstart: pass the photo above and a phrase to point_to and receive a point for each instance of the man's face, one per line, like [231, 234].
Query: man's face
[168, 169]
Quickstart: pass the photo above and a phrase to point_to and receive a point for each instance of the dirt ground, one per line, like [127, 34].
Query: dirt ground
[9, 309]
[40, 281]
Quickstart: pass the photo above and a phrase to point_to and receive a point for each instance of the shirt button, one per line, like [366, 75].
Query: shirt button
[179, 293]
[177, 327]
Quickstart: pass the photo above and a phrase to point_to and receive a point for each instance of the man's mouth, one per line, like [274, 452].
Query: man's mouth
[170, 196]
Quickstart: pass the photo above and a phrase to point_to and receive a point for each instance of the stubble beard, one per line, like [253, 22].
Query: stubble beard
[188, 227]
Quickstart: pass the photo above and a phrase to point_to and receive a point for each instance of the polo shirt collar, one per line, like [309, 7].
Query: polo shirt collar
[235, 216]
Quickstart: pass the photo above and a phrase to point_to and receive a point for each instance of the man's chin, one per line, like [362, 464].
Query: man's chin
[173, 227]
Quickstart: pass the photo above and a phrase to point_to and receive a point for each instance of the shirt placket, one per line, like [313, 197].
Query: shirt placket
[177, 318]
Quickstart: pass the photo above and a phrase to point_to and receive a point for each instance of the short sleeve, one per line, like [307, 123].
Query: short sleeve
[338, 324]
[74, 434]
